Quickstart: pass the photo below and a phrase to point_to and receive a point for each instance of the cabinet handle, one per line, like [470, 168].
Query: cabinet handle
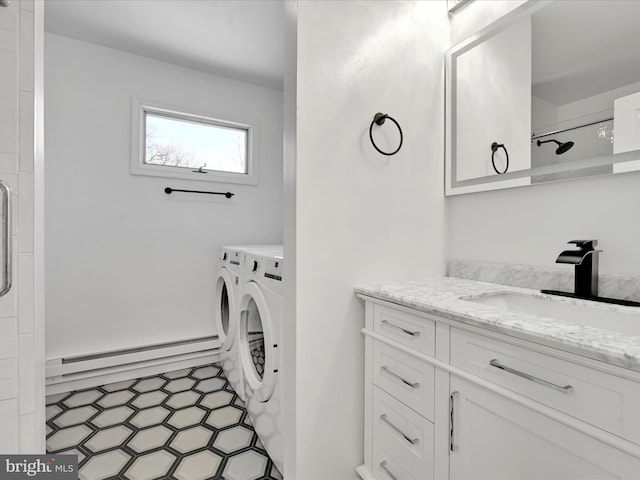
[452, 446]
[412, 441]
[496, 363]
[398, 377]
[383, 466]
[403, 330]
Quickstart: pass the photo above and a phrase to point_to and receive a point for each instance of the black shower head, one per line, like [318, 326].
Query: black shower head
[562, 147]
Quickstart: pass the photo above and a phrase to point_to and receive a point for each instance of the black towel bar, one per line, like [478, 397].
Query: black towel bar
[168, 190]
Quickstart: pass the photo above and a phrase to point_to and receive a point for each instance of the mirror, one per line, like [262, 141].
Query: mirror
[549, 92]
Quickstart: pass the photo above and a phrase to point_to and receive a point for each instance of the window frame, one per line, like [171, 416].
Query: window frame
[139, 110]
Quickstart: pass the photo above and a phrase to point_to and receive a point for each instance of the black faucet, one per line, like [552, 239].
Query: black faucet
[586, 261]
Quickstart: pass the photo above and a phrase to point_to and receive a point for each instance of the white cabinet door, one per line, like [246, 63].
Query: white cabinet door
[496, 438]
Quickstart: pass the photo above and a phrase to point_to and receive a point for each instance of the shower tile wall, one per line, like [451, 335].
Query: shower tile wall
[21, 389]
[185, 425]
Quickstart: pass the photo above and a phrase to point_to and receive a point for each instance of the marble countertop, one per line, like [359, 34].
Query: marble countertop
[452, 298]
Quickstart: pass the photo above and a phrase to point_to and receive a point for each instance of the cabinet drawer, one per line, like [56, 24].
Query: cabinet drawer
[405, 377]
[410, 330]
[604, 400]
[401, 437]
[385, 467]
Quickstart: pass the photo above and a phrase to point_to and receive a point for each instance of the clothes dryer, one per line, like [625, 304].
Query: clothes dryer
[260, 347]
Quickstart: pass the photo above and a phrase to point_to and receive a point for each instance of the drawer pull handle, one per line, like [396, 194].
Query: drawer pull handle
[496, 363]
[403, 330]
[383, 466]
[412, 441]
[452, 444]
[398, 377]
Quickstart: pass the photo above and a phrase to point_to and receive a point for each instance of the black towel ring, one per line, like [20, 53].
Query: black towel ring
[494, 148]
[379, 119]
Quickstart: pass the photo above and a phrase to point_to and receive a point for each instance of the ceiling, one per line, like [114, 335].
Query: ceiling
[239, 39]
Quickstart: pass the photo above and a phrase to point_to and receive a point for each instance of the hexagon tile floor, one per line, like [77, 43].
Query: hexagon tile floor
[182, 425]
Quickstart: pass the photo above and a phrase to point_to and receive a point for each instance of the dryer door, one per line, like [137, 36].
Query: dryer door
[226, 319]
[258, 352]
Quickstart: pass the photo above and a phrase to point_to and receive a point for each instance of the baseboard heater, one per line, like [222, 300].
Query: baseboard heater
[85, 370]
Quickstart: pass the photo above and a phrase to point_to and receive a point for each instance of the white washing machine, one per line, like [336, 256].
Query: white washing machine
[227, 296]
[231, 267]
[260, 346]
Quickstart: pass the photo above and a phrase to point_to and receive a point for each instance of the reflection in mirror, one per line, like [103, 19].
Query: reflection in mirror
[557, 84]
[576, 77]
[493, 83]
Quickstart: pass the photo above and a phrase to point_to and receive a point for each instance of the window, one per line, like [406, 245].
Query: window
[169, 143]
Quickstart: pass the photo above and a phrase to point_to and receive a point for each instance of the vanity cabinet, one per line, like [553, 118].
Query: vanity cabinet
[448, 400]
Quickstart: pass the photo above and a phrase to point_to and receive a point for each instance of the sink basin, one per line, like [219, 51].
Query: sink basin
[581, 313]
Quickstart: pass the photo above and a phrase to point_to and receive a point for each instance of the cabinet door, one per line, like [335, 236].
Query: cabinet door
[496, 438]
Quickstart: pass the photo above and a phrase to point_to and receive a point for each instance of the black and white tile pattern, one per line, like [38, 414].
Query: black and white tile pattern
[182, 425]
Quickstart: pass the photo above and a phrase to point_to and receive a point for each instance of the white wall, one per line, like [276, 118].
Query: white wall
[289, 334]
[543, 114]
[21, 329]
[128, 265]
[359, 216]
[531, 225]
[597, 104]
